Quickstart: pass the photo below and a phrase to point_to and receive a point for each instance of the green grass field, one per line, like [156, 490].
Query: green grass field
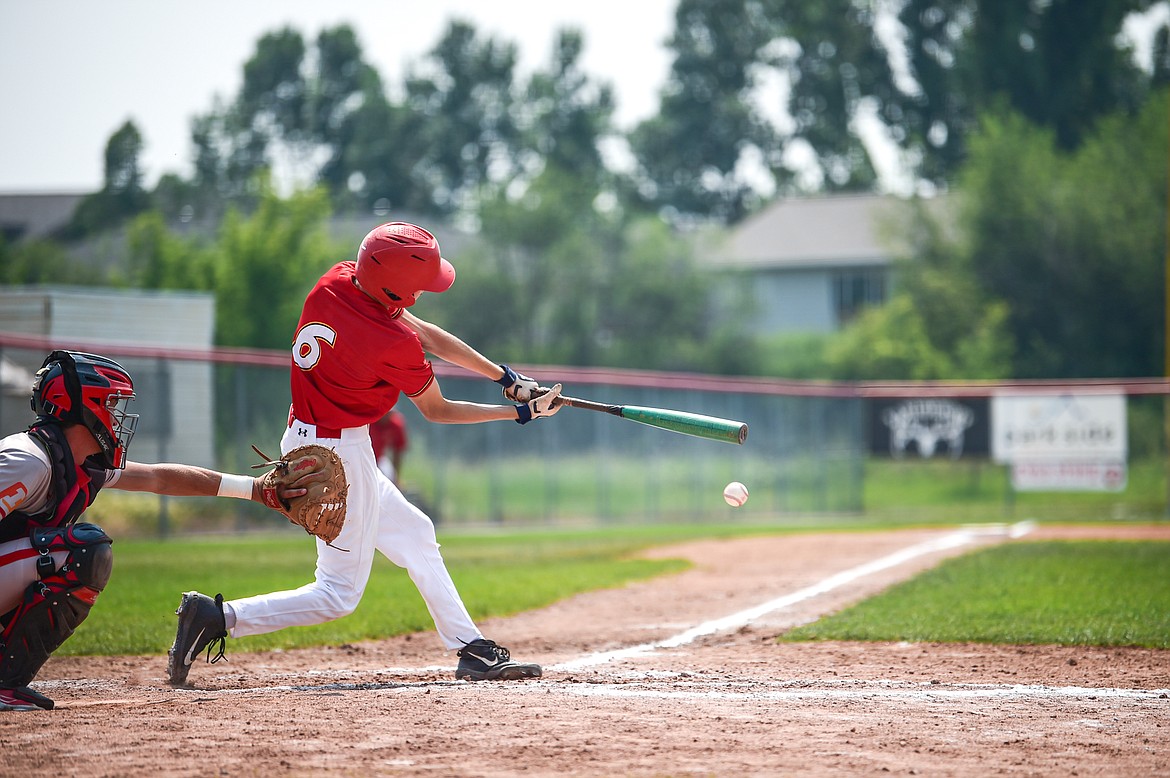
[135, 614]
[1082, 593]
[1067, 593]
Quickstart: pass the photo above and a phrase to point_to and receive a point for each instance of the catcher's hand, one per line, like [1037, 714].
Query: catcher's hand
[317, 476]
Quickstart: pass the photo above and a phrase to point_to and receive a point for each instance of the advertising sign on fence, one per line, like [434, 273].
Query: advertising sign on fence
[1066, 442]
[1068, 476]
[929, 427]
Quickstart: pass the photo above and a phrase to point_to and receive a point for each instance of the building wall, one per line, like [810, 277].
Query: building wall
[174, 398]
[791, 301]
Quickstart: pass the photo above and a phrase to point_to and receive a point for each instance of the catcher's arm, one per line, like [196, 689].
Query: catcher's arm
[177, 480]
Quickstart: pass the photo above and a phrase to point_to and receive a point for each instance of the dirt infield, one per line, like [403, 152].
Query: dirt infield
[677, 676]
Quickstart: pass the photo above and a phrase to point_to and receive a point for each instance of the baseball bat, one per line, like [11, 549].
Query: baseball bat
[710, 427]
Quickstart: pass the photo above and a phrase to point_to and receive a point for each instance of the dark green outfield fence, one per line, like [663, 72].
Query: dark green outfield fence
[806, 452]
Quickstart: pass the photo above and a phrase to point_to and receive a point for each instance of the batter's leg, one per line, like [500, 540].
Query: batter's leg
[406, 536]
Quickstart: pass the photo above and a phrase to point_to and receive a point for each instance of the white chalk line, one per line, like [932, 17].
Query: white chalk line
[681, 690]
[744, 617]
[873, 691]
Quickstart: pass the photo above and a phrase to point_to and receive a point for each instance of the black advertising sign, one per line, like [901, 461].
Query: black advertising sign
[928, 427]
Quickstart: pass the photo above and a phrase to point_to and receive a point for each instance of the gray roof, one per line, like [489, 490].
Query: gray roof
[832, 230]
[27, 216]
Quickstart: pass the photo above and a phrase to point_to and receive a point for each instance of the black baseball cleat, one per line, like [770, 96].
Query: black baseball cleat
[23, 698]
[483, 660]
[201, 624]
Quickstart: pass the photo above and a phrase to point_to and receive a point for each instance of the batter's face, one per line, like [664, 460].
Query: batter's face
[384, 303]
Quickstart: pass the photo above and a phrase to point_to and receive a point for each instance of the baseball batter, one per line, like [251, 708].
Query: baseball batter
[356, 350]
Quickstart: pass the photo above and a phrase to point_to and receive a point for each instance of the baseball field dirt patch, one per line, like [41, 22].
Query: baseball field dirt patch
[675, 676]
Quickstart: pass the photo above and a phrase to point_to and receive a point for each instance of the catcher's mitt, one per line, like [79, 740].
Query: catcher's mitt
[318, 470]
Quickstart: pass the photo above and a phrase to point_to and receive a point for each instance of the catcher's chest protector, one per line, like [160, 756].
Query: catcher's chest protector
[56, 604]
[74, 487]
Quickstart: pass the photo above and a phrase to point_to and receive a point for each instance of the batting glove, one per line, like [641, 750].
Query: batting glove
[518, 387]
[540, 407]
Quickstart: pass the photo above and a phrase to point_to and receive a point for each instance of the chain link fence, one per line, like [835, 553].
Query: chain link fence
[804, 454]
[813, 452]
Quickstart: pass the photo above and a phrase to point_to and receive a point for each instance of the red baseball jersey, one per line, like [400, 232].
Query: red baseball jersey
[352, 356]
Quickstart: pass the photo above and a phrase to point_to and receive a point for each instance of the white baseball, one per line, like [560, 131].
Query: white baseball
[735, 494]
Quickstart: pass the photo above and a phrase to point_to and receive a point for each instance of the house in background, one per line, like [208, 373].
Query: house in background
[31, 216]
[809, 265]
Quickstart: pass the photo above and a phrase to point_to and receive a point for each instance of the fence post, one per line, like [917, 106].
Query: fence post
[164, 409]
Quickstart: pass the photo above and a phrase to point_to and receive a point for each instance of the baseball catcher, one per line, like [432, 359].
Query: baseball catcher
[53, 567]
[318, 473]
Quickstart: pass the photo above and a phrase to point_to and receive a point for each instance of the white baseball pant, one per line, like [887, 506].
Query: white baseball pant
[378, 518]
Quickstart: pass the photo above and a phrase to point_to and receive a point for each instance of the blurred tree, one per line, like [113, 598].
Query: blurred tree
[43, 262]
[565, 116]
[890, 342]
[122, 194]
[537, 221]
[836, 68]
[759, 89]
[373, 143]
[317, 115]
[463, 93]
[157, 258]
[1058, 63]
[654, 306]
[1051, 266]
[265, 264]
[1057, 268]
[556, 284]
[689, 155]
[235, 142]
[1161, 58]
[1073, 243]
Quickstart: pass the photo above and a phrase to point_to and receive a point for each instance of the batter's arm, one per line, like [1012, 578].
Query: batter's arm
[437, 341]
[435, 407]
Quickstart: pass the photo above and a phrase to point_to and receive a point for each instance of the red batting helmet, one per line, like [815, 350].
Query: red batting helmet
[399, 261]
[77, 388]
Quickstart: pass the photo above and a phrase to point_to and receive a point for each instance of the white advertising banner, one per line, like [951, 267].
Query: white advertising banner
[1030, 476]
[1058, 428]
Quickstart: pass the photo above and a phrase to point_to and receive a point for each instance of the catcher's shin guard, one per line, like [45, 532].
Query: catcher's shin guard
[55, 605]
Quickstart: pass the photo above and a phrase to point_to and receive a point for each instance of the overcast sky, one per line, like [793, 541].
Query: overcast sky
[72, 71]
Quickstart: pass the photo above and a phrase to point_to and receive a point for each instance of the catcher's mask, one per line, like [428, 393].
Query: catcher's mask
[77, 388]
[399, 261]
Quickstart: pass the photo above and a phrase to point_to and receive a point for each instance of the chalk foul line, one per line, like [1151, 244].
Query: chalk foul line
[736, 620]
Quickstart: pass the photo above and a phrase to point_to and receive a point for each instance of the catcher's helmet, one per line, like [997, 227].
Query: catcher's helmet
[77, 388]
[398, 261]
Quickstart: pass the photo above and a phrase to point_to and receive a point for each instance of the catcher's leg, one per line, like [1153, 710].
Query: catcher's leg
[55, 605]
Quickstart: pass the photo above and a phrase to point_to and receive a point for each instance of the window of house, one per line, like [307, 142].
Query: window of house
[854, 290]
